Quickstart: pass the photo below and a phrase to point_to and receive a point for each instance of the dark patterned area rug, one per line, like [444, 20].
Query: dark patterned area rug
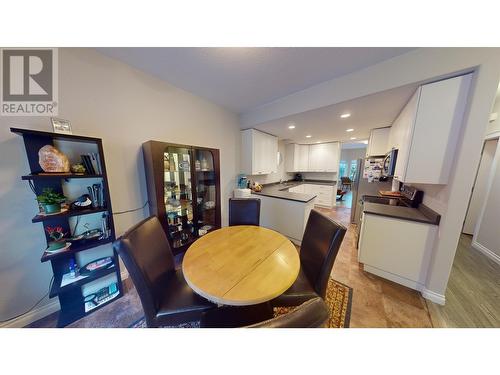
[338, 299]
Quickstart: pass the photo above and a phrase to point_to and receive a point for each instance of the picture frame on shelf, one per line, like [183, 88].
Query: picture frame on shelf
[61, 126]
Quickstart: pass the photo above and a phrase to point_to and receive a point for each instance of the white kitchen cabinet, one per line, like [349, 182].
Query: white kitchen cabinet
[324, 157]
[325, 194]
[378, 141]
[258, 152]
[296, 158]
[303, 158]
[400, 136]
[426, 131]
[288, 217]
[395, 249]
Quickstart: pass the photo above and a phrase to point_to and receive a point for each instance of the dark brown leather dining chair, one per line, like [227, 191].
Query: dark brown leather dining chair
[244, 211]
[320, 246]
[165, 296]
[310, 314]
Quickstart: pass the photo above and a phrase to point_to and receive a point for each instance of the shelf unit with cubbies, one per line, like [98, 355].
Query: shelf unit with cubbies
[74, 293]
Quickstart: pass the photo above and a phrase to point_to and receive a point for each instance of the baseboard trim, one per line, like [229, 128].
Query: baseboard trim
[440, 299]
[33, 315]
[426, 293]
[392, 277]
[485, 251]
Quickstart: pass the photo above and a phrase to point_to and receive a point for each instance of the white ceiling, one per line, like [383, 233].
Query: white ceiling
[241, 79]
[324, 124]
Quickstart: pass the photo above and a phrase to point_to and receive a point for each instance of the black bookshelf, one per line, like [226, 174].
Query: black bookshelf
[70, 296]
[65, 176]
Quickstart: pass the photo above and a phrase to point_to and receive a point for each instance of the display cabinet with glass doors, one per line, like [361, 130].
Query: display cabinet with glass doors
[183, 185]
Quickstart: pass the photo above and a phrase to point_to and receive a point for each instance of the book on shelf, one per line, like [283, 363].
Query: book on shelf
[92, 163]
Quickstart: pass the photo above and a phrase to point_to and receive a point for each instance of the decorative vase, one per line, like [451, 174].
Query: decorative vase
[52, 208]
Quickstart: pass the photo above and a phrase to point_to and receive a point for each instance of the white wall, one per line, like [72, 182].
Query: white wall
[126, 107]
[486, 237]
[421, 65]
[480, 186]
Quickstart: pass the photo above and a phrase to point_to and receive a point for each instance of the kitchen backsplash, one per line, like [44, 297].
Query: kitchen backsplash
[319, 176]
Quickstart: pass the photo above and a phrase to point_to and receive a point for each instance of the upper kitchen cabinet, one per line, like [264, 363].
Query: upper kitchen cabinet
[296, 158]
[427, 129]
[324, 157]
[258, 152]
[377, 144]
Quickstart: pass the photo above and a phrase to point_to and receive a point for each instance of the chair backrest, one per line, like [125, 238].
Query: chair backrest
[244, 211]
[146, 252]
[320, 246]
[311, 314]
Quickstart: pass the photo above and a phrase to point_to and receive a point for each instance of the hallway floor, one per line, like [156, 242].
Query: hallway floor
[473, 294]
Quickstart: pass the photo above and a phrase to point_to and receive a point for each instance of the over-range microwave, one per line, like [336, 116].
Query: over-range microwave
[389, 165]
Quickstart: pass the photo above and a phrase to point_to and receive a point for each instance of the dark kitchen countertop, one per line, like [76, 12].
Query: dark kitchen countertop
[280, 191]
[422, 214]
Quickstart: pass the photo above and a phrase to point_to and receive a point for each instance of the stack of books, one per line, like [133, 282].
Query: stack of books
[92, 163]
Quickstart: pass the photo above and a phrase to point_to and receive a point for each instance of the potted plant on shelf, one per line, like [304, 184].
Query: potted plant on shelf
[57, 235]
[50, 201]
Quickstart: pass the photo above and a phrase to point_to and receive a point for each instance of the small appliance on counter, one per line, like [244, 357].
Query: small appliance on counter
[298, 177]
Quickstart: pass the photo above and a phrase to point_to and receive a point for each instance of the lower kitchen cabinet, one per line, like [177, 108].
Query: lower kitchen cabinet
[395, 249]
[288, 217]
[325, 194]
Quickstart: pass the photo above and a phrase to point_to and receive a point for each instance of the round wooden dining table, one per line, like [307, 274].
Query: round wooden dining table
[241, 265]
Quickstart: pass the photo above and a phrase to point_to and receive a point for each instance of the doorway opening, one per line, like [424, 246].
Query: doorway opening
[350, 168]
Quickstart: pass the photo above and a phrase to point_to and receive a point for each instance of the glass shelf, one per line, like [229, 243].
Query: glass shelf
[205, 182]
[178, 196]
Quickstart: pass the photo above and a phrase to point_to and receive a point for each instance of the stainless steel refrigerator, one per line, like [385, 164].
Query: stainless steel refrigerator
[360, 187]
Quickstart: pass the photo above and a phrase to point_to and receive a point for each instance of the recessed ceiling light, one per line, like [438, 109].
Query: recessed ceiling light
[345, 115]
[291, 125]
[353, 138]
[349, 130]
[318, 141]
[308, 136]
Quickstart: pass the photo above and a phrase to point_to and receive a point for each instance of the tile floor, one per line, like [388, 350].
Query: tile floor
[376, 302]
